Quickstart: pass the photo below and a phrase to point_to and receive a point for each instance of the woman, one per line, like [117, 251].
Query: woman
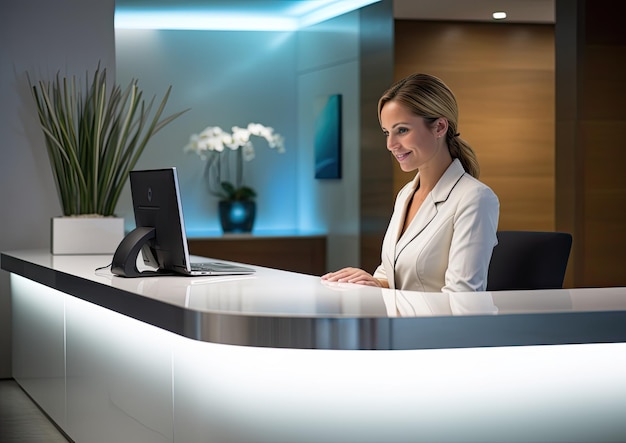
[443, 227]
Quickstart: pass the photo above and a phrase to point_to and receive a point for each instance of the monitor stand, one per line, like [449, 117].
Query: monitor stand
[125, 258]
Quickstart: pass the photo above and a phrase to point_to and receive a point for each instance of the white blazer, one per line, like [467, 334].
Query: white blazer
[447, 247]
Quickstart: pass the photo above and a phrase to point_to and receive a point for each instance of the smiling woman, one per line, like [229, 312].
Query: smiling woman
[443, 228]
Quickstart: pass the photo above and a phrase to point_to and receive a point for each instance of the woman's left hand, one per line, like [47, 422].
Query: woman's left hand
[353, 275]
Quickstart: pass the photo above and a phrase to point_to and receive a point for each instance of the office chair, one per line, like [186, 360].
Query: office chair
[529, 260]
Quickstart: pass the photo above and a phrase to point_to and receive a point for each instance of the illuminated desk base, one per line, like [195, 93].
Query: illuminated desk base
[105, 377]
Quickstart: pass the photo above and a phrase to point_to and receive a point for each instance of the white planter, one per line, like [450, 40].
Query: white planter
[86, 235]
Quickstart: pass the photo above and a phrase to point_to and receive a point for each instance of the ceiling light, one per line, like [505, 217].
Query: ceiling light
[330, 10]
[499, 15]
[307, 13]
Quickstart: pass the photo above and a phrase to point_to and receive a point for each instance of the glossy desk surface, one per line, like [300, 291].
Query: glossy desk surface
[282, 309]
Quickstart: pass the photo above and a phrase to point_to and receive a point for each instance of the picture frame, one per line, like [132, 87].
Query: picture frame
[328, 134]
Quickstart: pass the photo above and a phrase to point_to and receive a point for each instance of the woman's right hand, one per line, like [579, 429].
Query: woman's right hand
[353, 275]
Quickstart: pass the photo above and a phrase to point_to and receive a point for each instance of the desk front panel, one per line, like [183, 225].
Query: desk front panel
[121, 379]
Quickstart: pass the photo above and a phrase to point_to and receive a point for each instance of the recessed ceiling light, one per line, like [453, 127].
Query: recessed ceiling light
[499, 15]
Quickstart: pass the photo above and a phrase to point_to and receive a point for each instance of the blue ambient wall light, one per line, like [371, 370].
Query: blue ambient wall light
[291, 16]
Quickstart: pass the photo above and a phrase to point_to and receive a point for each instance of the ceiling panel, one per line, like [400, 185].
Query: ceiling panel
[518, 11]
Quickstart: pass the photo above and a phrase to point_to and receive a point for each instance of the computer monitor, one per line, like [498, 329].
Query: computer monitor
[159, 234]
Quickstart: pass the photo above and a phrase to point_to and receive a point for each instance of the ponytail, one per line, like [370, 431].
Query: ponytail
[460, 149]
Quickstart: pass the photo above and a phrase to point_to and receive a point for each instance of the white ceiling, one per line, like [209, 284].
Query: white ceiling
[518, 11]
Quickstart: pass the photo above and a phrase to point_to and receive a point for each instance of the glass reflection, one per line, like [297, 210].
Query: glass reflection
[431, 304]
[421, 304]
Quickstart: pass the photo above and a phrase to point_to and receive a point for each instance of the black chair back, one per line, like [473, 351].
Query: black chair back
[529, 260]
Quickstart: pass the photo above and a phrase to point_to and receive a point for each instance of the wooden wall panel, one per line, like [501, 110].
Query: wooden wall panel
[604, 202]
[590, 123]
[503, 78]
[601, 128]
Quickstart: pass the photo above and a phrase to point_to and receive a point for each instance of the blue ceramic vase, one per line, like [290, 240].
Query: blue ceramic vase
[237, 216]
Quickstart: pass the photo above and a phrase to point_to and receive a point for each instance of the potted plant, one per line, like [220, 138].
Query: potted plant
[225, 154]
[94, 139]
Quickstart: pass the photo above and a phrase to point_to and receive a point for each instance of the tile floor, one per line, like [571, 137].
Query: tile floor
[21, 421]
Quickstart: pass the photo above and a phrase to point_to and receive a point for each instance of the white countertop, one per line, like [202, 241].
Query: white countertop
[287, 309]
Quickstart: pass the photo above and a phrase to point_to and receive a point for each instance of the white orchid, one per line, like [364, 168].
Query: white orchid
[211, 143]
[210, 139]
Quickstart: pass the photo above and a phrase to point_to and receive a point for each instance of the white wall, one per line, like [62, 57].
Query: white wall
[41, 37]
[328, 63]
[227, 79]
[275, 78]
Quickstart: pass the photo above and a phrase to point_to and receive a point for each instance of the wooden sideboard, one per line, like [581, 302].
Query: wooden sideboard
[305, 254]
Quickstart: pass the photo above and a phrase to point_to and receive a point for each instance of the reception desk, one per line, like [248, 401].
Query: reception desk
[282, 357]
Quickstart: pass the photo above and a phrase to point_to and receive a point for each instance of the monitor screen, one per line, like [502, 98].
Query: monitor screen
[159, 234]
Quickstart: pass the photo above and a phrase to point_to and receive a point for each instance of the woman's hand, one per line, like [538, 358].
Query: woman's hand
[353, 275]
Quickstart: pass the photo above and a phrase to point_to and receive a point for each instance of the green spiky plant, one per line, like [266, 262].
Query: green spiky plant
[94, 138]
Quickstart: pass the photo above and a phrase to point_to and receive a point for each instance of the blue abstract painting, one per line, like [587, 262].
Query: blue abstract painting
[328, 140]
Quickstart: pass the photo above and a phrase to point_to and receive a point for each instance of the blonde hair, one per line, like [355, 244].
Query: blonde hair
[429, 97]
